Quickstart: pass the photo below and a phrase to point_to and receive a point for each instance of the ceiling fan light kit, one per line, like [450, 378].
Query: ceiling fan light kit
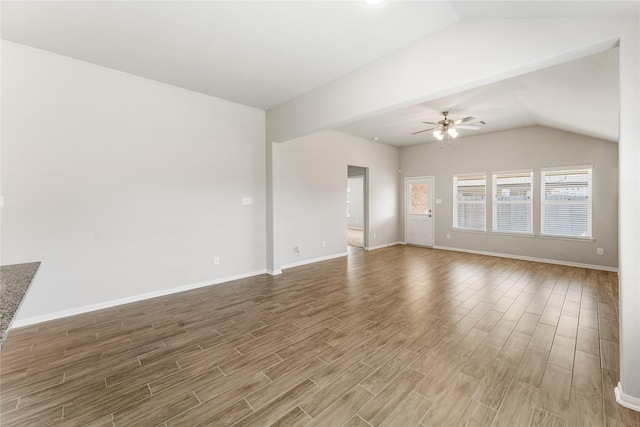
[447, 127]
[441, 131]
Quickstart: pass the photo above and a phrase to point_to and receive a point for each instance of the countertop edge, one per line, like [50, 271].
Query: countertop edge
[15, 280]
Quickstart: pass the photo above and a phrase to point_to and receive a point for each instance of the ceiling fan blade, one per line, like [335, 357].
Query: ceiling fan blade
[468, 127]
[465, 120]
[420, 131]
[430, 123]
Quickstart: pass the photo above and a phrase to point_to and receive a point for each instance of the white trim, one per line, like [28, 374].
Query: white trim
[456, 202]
[468, 230]
[573, 238]
[626, 400]
[386, 245]
[495, 203]
[566, 168]
[274, 272]
[588, 203]
[88, 308]
[534, 259]
[311, 261]
[478, 174]
[513, 233]
[513, 171]
[407, 200]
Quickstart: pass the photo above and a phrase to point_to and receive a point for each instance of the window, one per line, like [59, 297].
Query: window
[469, 194]
[512, 202]
[418, 199]
[566, 202]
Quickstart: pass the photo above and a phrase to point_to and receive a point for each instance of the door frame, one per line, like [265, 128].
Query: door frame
[365, 195]
[433, 208]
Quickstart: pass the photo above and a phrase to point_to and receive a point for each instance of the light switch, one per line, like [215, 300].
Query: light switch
[247, 201]
[438, 201]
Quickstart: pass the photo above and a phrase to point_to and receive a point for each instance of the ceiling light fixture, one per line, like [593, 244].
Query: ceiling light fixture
[445, 127]
[449, 128]
[373, 2]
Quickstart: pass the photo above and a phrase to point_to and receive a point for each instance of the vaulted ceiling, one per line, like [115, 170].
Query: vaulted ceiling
[257, 53]
[263, 53]
[580, 96]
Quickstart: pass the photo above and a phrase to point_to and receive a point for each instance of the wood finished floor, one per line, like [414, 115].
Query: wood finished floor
[401, 336]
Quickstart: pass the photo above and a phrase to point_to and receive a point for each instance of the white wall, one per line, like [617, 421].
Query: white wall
[425, 70]
[123, 186]
[628, 391]
[502, 48]
[312, 191]
[523, 149]
[355, 196]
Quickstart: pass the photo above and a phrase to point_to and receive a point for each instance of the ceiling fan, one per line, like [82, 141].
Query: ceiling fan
[450, 127]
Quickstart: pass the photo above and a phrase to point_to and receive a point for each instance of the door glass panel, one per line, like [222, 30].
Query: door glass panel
[418, 203]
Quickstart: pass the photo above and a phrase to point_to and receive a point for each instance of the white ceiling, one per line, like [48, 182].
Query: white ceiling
[263, 53]
[581, 96]
[257, 53]
[475, 9]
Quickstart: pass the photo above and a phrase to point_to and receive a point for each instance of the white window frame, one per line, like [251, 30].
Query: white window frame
[495, 203]
[456, 203]
[588, 202]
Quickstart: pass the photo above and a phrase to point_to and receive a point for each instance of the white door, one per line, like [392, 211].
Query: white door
[419, 211]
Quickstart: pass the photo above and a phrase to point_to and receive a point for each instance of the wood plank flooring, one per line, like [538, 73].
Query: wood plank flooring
[401, 336]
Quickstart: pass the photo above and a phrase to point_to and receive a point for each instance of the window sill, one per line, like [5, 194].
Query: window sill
[575, 239]
[506, 233]
[468, 230]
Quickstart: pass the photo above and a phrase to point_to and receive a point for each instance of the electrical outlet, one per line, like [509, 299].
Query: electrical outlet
[298, 249]
[216, 260]
[374, 235]
[600, 251]
[448, 236]
[324, 244]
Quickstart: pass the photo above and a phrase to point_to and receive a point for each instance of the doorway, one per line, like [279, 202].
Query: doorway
[356, 206]
[418, 224]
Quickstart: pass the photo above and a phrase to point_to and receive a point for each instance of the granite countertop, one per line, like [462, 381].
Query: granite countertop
[14, 282]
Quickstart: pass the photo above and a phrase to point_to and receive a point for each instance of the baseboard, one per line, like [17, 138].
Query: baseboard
[386, 245]
[18, 323]
[533, 259]
[311, 261]
[328, 257]
[626, 400]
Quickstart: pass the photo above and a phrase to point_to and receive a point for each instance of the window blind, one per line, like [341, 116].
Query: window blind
[469, 201]
[512, 202]
[566, 202]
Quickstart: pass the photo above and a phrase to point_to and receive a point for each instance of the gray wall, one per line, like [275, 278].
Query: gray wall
[122, 186]
[527, 148]
[502, 48]
[312, 193]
